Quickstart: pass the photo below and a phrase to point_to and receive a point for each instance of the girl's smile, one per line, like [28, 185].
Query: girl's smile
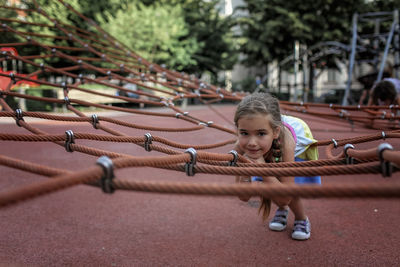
[256, 135]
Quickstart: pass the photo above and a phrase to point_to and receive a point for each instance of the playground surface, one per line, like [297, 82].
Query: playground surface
[82, 226]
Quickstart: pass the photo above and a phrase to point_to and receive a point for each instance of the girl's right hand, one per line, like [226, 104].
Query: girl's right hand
[243, 179]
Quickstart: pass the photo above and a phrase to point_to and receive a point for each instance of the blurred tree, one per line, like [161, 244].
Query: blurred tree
[156, 32]
[5, 35]
[383, 5]
[216, 46]
[271, 27]
[218, 49]
[186, 35]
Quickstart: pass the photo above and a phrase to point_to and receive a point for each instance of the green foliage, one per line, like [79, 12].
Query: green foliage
[217, 47]
[272, 26]
[248, 84]
[186, 35]
[155, 32]
[5, 35]
[34, 105]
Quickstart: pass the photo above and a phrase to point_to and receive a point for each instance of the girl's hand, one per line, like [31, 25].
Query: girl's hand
[259, 160]
[243, 179]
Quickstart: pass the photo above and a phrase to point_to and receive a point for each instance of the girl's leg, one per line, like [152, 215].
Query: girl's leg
[302, 227]
[297, 207]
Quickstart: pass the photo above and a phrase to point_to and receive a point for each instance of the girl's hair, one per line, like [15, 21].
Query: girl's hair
[384, 90]
[262, 103]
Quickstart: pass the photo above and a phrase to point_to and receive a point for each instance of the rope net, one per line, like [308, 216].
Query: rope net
[136, 87]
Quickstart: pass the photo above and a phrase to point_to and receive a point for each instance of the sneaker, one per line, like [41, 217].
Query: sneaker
[279, 222]
[301, 230]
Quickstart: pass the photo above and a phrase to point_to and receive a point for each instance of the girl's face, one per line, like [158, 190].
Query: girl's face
[256, 134]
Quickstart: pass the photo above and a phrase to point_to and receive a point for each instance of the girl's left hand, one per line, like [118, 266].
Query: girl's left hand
[259, 160]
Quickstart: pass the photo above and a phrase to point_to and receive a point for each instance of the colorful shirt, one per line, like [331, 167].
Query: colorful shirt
[303, 151]
[302, 136]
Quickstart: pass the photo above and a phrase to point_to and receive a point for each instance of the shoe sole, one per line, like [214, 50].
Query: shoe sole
[277, 228]
[301, 237]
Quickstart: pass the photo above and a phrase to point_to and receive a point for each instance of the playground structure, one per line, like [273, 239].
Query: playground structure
[160, 88]
[367, 52]
[62, 151]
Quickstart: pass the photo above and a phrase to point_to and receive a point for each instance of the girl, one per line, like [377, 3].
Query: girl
[264, 135]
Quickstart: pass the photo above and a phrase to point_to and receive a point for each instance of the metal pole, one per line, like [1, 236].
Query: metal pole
[311, 80]
[351, 60]
[305, 66]
[296, 68]
[279, 79]
[396, 42]
[387, 46]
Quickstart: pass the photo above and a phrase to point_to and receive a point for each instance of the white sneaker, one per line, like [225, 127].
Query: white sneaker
[279, 222]
[301, 230]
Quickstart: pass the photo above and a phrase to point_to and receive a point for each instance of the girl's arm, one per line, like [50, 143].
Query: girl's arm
[242, 179]
[287, 156]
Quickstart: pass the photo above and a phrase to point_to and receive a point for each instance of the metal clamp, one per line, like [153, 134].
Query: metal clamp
[335, 144]
[81, 78]
[12, 76]
[386, 166]
[177, 115]
[95, 121]
[108, 175]
[66, 100]
[18, 116]
[203, 124]
[209, 123]
[383, 115]
[148, 142]
[189, 166]
[70, 139]
[383, 135]
[235, 158]
[64, 86]
[349, 160]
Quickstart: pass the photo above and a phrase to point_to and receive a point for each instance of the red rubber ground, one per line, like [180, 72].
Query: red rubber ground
[82, 226]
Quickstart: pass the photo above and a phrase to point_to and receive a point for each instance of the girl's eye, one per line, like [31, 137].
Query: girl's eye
[243, 133]
[261, 133]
